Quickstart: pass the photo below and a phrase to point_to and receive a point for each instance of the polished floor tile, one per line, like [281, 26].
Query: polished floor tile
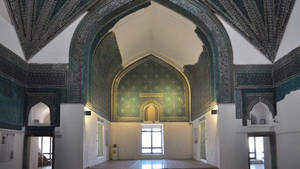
[257, 166]
[154, 164]
[47, 167]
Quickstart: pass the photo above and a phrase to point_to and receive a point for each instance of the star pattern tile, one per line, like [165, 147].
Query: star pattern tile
[151, 77]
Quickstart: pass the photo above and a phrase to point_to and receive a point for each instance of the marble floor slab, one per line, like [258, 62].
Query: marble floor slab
[47, 167]
[257, 166]
[153, 164]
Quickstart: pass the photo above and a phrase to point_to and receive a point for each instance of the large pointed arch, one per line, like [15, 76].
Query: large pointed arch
[108, 12]
[155, 92]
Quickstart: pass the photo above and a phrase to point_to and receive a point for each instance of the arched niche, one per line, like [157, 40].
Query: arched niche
[97, 23]
[260, 114]
[150, 81]
[151, 111]
[43, 100]
[39, 115]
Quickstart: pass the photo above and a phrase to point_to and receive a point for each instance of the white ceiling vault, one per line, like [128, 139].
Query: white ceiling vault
[160, 31]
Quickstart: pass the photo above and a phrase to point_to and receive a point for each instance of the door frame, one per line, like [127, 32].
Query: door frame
[273, 147]
[37, 132]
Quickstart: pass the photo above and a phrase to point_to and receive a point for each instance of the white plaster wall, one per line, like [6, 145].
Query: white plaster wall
[233, 144]
[17, 162]
[177, 140]
[3, 11]
[57, 51]
[212, 139]
[291, 38]
[9, 38]
[127, 136]
[158, 30]
[288, 131]
[90, 157]
[267, 153]
[69, 137]
[243, 51]
[34, 152]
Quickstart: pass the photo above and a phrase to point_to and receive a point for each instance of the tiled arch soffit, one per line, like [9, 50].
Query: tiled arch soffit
[108, 12]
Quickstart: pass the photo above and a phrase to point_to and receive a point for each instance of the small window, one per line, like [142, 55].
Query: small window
[152, 139]
[100, 139]
[202, 134]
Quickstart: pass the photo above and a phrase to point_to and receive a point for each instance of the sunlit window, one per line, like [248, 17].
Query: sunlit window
[202, 134]
[152, 139]
[100, 139]
[45, 151]
[256, 148]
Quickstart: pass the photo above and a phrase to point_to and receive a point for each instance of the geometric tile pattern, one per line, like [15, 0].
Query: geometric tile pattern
[105, 64]
[46, 82]
[202, 85]
[266, 83]
[37, 22]
[262, 22]
[253, 76]
[147, 79]
[287, 67]
[11, 104]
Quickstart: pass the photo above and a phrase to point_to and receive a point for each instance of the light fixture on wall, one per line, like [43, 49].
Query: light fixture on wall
[215, 110]
[87, 113]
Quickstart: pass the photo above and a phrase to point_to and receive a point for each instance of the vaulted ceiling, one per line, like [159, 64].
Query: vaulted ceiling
[262, 22]
[37, 22]
[160, 31]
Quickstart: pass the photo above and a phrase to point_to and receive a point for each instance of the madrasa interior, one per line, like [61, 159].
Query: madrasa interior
[149, 84]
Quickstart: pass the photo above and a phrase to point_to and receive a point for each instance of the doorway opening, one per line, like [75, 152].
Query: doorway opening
[40, 152]
[261, 154]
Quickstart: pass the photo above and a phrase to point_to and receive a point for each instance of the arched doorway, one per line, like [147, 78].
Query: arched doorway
[39, 136]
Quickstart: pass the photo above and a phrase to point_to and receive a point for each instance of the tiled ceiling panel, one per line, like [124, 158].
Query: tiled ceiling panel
[37, 22]
[262, 22]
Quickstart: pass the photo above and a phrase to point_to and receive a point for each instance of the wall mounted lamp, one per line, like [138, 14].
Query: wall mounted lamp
[87, 113]
[214, 112]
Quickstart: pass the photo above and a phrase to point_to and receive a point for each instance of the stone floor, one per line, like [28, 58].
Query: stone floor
[257, 166]
[47, 167]
[154, 164]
